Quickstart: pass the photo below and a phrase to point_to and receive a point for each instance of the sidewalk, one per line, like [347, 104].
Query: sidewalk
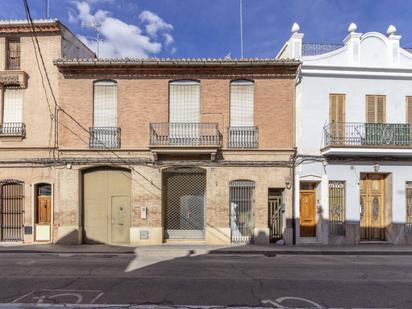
[186, 250]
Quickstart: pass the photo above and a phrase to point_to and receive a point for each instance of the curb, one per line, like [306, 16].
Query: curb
[188, 252]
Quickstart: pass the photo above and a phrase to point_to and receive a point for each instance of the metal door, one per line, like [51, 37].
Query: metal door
[307, 219]
[11, 210]
[275, 215]
[120, 223]
[242, 210]
[101, 187]
[372, 221]
[184, 202]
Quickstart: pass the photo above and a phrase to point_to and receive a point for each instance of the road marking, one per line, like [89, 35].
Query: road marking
[277, 303]
[66, 296]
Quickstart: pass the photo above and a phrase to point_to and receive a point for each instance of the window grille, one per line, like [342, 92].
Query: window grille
[13, 105]
[242, 210]
[11, 210]
[408, 225]
[337, 205]
[105, 104]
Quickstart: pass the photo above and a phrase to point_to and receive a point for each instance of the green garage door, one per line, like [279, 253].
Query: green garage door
[107, 206]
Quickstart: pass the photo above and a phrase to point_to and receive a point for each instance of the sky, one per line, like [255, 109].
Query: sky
[211, 28]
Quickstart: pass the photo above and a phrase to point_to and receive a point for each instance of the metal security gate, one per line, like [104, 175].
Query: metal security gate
[11, 210]
[275, 214]
[242, 210]
[184, 201]
[337, 208]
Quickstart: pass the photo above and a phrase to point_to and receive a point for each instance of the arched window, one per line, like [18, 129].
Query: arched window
[242, 210]
[242, 103]
[105, 104]
[184, 101]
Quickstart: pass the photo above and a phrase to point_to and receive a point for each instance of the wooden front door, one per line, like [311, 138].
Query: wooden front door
[44, 210]
[308, 213]
[372, 206]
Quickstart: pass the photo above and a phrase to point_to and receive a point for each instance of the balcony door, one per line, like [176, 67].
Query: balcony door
[12, 111]
[337, 116]
[376, 131]
[184, 112]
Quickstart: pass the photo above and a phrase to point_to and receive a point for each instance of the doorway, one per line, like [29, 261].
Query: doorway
[276, 210]
[42, 212]
[307, 221]
[107, 211]
[184, 202]
[372, 207]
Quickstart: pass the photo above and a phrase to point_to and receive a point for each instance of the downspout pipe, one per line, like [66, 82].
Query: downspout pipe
[295, 152]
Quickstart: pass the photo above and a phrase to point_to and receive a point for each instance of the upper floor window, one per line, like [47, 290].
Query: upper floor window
[12, 112]
[105, 104]
[184, 101]
[375, 109]
[242, 131]
[337, 108]
[409, 110]
[105, 133]
[242, 103]
[13, 54]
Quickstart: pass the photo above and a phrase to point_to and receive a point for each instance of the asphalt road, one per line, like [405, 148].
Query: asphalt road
[210, 280]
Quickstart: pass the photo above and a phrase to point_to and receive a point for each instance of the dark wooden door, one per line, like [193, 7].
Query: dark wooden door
[307, 213]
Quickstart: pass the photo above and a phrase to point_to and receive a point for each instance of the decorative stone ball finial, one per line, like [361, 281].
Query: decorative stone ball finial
[391, 30]
[295, 28]
[352, 27]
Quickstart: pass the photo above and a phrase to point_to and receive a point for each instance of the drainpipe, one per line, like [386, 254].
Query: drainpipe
[294, 195]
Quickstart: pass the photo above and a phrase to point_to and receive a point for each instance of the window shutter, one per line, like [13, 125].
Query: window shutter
[409, 110]
[375, 109]
[13, 105]
[105, 104]
[380, 109]
[332, 108]
[242, 104]
[336, 108]
[184, 102]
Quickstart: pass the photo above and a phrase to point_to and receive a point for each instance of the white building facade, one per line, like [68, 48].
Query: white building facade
[353, 176]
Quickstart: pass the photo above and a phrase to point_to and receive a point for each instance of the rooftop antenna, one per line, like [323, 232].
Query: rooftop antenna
[241, 28]
[47, 9]
[96, 27]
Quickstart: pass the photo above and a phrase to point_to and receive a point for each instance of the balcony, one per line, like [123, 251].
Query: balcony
[185, 137]
[104, 137]
[243, 137]
[376, 139]
[13, 129]
[13, 78]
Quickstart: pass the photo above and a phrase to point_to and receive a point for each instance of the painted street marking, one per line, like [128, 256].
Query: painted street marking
[59, 297]
[277, 303]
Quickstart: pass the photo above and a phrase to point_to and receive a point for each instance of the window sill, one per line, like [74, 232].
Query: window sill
[11, 138]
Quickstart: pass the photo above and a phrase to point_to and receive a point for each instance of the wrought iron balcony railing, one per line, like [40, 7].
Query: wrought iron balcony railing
[185, 134]
[104, 137]
[367, 134]
[243, 137]
[13, 129]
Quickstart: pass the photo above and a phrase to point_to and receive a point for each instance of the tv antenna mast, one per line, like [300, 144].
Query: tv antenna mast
[47, 9]
[241, 28]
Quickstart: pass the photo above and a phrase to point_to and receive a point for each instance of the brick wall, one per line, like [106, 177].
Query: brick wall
[145, 101]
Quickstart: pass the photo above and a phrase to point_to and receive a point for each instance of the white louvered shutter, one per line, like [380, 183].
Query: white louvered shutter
[105, 104]
[184, 102]
[242, 104]
[13, 105]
